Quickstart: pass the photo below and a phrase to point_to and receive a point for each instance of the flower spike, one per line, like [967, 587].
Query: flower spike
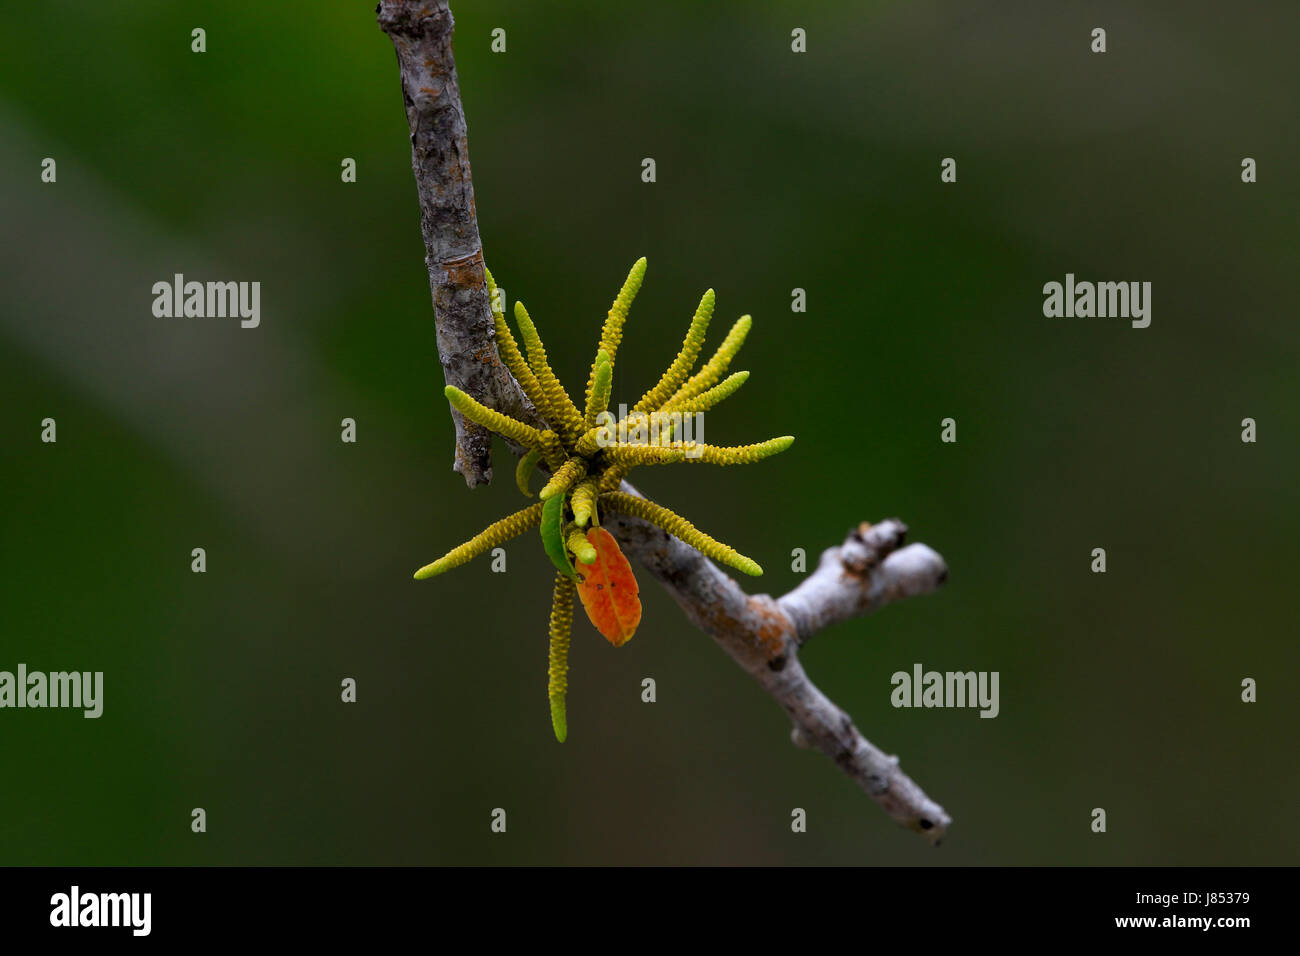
[633, 455]
[681, 366]
[514, 360]
[503, 425]
[602, 380]
[582, 548]
[524, 470]
[553, 449]
[706, 400]
[613, 477]
[566, 417]
[496, 534]
[557, 675]
[612, 332]
[679, 527]
[740, 454]
[571, 471]
[583, 502]
[715, 366]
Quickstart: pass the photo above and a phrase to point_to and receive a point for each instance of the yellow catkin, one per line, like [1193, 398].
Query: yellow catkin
[582, 549]
[509, 351]
[602, 379]
[557, 683]
[679, 527]
[553, 449]
[661, 427]
[707, 376]
[707, 399]
[590, 442]
[566, 419]
[583, 503]
[632, 455]
[496, 534]
[524, 470]
[526, 435]
[612, 332]
[518, 366]
[681, 366]
[610, 433]
[571, 471]
[638, 428]
[613, 477]
[492, 291]
[667, 425]
[739, 454]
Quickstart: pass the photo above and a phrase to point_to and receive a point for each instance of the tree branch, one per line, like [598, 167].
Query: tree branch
[421, 35]
[762, 634]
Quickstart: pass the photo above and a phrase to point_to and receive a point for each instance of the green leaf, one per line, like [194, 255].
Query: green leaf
[553, 536]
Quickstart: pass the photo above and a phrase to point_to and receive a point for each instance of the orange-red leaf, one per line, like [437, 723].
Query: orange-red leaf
[608, 590]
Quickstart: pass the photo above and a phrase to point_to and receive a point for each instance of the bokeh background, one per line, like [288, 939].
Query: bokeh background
[775, 171]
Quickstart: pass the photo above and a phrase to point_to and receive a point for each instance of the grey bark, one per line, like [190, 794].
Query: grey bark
[421, 35]
[762, 634]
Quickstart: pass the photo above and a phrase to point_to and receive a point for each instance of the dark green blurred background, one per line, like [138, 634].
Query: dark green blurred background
[775, 171]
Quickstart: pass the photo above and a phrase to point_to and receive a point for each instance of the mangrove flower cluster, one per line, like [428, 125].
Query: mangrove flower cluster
[588, 455]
